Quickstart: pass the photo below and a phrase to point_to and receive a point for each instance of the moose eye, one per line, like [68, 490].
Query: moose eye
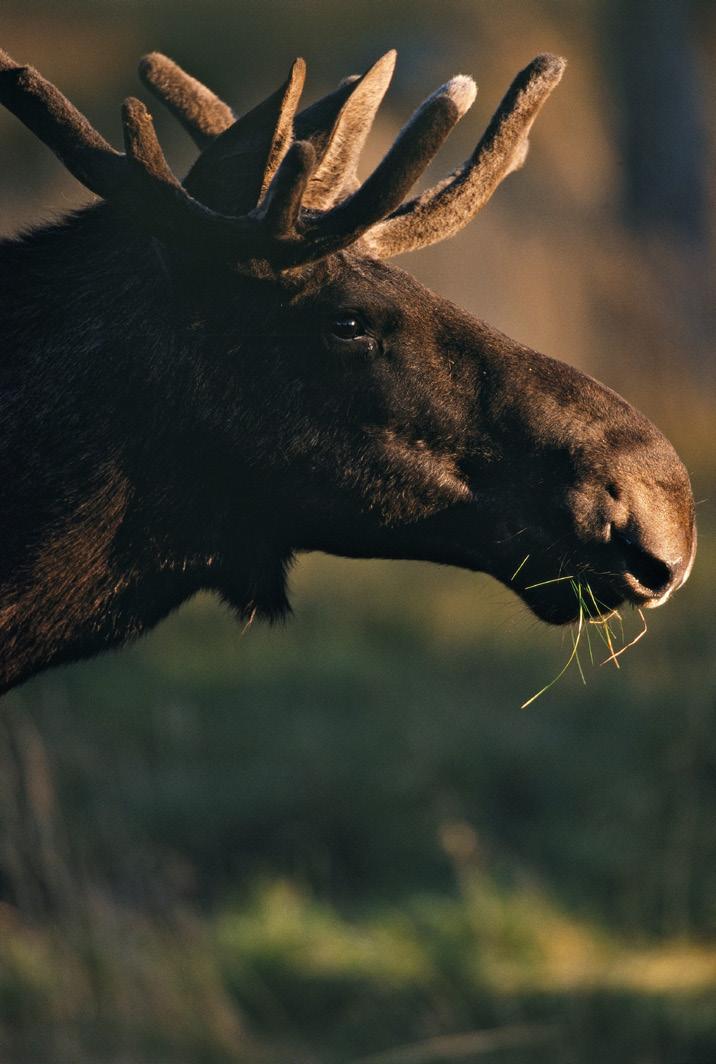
[345, 332]
[347, 327]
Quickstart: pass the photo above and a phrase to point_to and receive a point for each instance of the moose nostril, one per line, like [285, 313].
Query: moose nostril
[651, 572]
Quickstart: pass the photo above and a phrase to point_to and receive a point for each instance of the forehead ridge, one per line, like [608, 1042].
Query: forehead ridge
[374, 280]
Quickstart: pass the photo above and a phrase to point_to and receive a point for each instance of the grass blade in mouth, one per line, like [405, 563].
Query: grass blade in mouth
[560, 674]
[522, 563]
[545, 583]
[635, 640]
[603, 626]
[590, 613]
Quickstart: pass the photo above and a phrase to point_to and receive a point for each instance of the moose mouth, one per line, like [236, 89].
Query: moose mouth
[560, 600]
[558, 579]
[599, 579]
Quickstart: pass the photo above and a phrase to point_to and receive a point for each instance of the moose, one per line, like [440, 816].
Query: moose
[202, 378]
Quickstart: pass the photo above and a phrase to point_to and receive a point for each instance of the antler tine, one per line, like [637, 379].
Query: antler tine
[154, 192]
[335, 174]
[200, 111]
[269, 232]
[281, 206]
[169, 209]
[448, 206]
[59, 125]
[142, 146]
[413, 149]
[283, 132]
[242, 160]
[316, 121]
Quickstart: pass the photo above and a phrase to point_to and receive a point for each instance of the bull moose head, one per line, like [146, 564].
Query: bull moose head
[201, 378]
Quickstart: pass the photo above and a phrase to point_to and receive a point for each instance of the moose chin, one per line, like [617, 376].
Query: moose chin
[201, 378]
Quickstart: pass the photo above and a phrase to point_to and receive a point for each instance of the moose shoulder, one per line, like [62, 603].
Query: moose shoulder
[199, 379]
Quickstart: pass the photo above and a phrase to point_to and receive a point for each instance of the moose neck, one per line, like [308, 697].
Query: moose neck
[91, 553]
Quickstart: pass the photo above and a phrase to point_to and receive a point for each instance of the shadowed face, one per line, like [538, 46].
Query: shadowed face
[402, 427]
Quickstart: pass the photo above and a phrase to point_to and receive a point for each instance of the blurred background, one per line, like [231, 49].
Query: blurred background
[342, 840]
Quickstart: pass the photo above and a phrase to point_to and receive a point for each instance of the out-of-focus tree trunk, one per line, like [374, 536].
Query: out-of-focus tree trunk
[663, 124]
[651, 48]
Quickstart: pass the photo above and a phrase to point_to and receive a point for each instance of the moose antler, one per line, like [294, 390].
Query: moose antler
[141, 182]
[200, 111]
[448, 206]
[336, 173]
[234, 171]
[336, 125]
[293, 217]
[442, 210]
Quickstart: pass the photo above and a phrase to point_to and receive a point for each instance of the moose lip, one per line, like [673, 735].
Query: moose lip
[543, 585]
[557, 603]
[641, 596]
[608, 575]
